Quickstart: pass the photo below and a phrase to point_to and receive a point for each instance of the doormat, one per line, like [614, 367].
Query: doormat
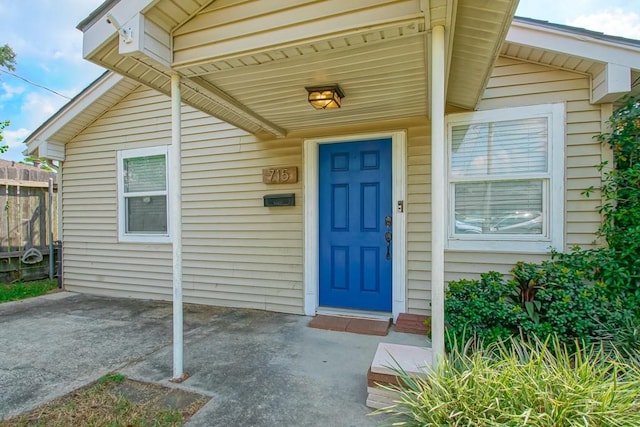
[351, 324]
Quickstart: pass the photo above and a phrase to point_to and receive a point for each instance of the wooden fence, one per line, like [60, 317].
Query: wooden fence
[28, 221]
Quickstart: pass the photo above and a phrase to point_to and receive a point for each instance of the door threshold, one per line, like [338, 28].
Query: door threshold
[356, 314]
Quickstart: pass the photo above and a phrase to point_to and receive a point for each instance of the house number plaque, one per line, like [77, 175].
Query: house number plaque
[284, 175]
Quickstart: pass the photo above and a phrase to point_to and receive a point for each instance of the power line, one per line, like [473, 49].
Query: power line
[34, 84]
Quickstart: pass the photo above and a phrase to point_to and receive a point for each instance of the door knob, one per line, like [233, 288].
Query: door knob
[387, 235]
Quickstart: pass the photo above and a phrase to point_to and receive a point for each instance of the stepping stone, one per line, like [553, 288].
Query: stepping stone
[413, 360]
[389, 358]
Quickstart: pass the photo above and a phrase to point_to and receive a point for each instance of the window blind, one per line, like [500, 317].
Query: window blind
[505, 207]
[515, 147]
[144, 174]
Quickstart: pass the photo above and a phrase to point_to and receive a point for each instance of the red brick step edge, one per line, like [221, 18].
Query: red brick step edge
[413, 324]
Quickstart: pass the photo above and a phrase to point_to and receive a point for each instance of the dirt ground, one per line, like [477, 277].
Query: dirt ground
[115, 401]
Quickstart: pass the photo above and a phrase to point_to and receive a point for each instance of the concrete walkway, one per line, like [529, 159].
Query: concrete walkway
[260, 368]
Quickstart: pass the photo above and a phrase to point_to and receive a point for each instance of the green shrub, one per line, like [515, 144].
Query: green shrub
[578, 298]
[520, 383]
[580, 295]
[621, 186]
[559, 296]
[482, 308]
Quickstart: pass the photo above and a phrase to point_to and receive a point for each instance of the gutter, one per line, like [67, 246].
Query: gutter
[96, 14]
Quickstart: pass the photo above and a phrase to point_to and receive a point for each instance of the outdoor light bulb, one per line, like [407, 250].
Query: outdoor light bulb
[324, 98]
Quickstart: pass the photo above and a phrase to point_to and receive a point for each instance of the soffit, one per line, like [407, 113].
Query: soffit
[381, 66]
[84, 109]
[380, 80]
[550, 58]
[93, 111]
[480, 29]
[563, 61]
[589, 51]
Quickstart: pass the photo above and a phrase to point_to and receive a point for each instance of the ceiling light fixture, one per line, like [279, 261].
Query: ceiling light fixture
[325, 97]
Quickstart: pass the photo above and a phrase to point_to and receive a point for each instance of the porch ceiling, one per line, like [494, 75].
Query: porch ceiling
[248, 61]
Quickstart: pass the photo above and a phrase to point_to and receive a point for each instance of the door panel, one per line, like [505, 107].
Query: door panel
[355, 197]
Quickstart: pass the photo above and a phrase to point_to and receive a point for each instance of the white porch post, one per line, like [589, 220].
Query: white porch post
[438, 199]
[175, 204]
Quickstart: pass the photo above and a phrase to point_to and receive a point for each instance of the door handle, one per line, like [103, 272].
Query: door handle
[387, 235]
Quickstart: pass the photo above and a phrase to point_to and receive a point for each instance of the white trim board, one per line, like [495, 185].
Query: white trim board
[123, 236]
[580, 45]
[554, 195]
[311, 220]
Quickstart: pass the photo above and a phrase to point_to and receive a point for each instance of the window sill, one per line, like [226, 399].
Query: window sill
[511, 246]
[139, 238]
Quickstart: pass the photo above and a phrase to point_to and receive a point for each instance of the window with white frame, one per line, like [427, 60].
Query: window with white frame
[142, 195]
[505, 179]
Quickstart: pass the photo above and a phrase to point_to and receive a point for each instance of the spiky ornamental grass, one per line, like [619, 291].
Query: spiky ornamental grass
[516, 383]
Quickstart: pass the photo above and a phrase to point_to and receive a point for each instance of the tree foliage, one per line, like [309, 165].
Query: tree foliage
[7, 57]
[8, 61]
[3, 148]
[40, 162]
[621, 186]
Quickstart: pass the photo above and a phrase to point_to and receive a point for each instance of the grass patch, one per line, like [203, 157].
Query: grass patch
[22, 290]
[114, 400]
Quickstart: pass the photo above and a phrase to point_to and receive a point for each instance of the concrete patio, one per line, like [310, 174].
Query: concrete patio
[260, 368]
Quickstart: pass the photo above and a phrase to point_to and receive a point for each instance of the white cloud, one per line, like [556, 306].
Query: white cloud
[38, 107]
[615, 22]
[10, 91]
[46, 30]
[14, 138]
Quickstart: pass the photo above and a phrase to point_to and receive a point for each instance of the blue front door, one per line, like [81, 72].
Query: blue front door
[355, 198]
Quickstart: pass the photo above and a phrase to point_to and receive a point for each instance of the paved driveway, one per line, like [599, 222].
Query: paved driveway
[261, 369]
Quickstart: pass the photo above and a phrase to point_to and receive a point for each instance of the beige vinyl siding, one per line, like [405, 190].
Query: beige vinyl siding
[94, 260]
[418, 210]
[235, 252]
[513, 83]
[517, 83]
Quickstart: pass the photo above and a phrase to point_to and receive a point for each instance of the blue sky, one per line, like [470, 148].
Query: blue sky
[49, 51]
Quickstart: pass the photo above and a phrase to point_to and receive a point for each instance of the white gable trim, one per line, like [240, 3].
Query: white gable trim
[40, 139]
[573, 44]
[100, 32]
[618, 60]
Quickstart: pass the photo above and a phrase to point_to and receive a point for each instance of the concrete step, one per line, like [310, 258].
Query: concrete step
[388, 360]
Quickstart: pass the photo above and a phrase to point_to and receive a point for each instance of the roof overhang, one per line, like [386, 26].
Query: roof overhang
[248, 62]
[612, 62]
[48, 140]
